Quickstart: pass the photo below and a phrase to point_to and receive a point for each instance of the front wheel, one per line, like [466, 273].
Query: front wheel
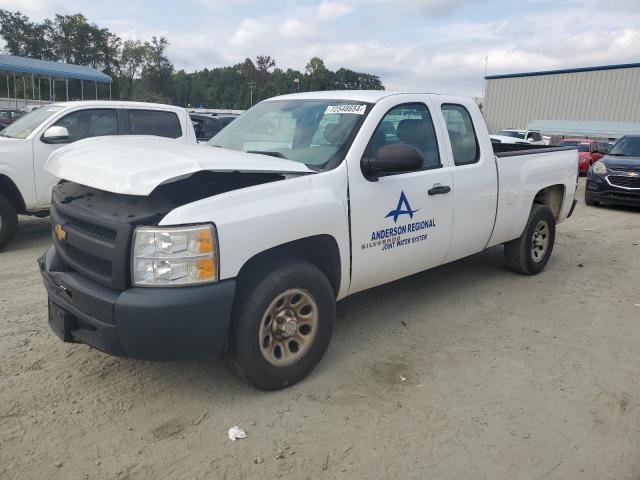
[8, 221]
[530, 253]
[282, 324]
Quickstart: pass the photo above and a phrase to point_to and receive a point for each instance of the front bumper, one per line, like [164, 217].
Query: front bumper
[143, 323]
[599, 190]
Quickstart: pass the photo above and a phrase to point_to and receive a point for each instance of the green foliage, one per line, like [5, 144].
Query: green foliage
[142, 71]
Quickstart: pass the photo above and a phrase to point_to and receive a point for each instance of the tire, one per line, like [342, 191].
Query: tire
[264, 333]
[519, 254]
[8, 221]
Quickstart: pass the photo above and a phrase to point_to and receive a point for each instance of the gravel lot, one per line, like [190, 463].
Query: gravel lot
[506, 377]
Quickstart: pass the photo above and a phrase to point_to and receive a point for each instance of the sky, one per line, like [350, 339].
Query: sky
[413, 45]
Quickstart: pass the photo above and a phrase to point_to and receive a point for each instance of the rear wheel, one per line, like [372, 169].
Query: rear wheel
[8, 221]
[282, 324]
[530, 253]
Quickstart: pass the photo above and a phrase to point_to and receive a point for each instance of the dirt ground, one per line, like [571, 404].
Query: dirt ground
[467, 371]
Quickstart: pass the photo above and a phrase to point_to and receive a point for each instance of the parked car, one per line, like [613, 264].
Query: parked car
[208, 126]
[615, 178]
[511, 135]
[163, 250]
[607, 145]
[25, 145]
[589, 151]
[7, 117]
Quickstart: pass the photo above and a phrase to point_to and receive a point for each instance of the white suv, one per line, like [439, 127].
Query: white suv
[25, 146]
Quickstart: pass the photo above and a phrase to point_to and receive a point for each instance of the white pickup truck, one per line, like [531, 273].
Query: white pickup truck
[162, 250]
[520, 137]
[25, 146]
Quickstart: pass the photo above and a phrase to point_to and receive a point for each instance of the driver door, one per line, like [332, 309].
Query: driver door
[402, 223]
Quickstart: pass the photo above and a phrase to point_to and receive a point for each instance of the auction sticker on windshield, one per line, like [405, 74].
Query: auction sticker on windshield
[357, 109]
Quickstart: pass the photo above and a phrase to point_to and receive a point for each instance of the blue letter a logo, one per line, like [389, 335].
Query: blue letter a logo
[403, 208]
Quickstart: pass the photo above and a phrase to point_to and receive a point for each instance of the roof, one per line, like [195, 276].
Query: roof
[582, 128]
[568, 70]
[117, 103]
[370, 96]
[11, 63]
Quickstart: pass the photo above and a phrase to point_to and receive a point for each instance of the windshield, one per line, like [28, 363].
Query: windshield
[510, 133]
[314, 132]
[582, 147]
[626, 147]
[23, 127]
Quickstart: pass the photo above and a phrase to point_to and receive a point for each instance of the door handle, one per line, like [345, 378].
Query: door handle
[439, 190]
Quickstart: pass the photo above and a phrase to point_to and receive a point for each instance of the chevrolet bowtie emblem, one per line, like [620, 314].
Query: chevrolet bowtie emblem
[632, 174]
[59, 232]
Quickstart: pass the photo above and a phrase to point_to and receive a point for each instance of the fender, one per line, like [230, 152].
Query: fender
[252, 220]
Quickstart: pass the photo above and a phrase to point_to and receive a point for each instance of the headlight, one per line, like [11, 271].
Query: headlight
[599, 168]
[174, 256]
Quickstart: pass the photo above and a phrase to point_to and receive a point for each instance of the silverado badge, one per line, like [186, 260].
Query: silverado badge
[59, 232]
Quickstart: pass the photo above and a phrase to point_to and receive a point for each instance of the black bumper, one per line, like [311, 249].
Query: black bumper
[599, 190]
[143, 323]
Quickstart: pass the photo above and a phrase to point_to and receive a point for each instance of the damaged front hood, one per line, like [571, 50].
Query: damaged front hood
[136, 165]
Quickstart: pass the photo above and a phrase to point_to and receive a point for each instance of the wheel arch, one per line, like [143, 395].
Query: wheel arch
[320, 250]
[552, 197]
[9, 189]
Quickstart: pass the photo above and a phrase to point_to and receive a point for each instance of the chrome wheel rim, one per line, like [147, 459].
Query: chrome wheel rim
[540, 241]
[288, 327]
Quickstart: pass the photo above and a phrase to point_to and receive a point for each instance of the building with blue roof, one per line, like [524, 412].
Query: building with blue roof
[28, 75]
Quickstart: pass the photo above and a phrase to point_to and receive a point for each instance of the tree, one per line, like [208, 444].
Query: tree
[157, 71]
[25, 38]
[317, 76]
[263, 64]
[132, 58]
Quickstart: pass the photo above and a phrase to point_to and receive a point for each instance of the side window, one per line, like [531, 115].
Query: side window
[90, 123]
[410, 124]
[537, 137]
[154, 122]
[464, 142]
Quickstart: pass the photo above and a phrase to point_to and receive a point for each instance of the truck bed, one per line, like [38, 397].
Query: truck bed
[523, 172]
[513, 149]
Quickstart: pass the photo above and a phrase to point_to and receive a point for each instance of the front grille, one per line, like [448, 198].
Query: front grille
[103, 233]
[92, 245]
[98, 265]
[624, 181]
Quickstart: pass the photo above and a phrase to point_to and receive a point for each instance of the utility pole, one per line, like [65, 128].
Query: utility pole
[252, 85]
[484, 77]
[185, 84]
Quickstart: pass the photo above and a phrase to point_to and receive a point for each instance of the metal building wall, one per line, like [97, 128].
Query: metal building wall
[603, 95]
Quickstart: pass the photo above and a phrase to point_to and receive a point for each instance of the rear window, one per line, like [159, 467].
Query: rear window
[154, 122]
[582, 147]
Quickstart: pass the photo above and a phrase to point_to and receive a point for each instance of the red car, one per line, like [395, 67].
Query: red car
[589, 151]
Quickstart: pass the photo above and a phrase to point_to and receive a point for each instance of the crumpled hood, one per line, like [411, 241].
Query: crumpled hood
[136, 165]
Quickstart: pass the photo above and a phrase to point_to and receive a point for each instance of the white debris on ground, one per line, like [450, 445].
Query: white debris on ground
[236, 433]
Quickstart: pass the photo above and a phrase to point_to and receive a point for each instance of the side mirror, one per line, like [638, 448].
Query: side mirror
[56, 134]
[394, 158]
